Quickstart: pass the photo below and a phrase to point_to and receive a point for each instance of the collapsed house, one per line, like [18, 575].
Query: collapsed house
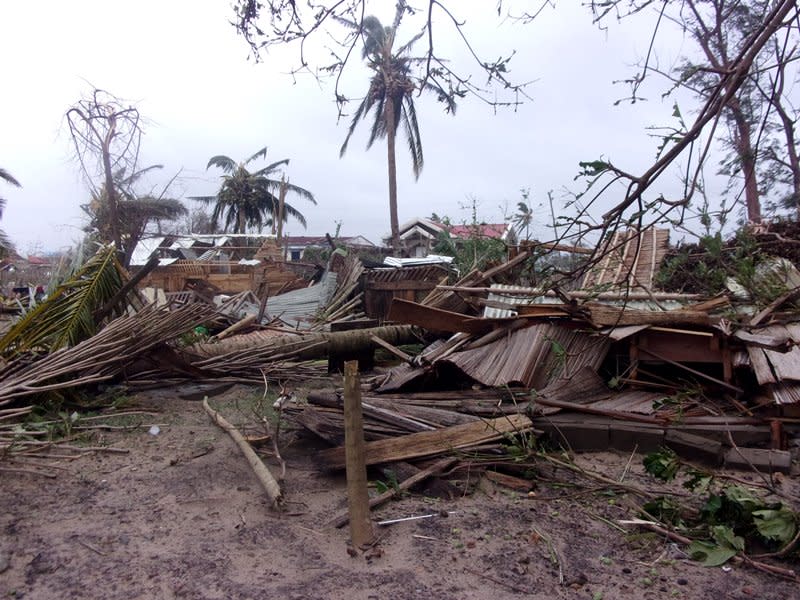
[613, 363]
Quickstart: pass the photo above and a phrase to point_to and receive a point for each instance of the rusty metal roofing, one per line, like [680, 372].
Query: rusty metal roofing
[785, 393]
[630, 259]
[532, 356]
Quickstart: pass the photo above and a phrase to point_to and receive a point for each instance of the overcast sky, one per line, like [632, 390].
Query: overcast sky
[183, 65]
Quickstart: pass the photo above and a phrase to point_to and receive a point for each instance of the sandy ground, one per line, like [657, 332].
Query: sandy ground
[181, 516]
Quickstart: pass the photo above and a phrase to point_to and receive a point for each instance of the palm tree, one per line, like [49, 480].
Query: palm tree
[5, 244]
[390, 97]
[251, 199]
[523, 218]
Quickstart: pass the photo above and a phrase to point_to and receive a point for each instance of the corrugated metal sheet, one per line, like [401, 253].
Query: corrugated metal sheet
[532, 356]
[431, 259]
[143, 250]
[497, 295]
[786, 393]
[297, 307]
[420, 273]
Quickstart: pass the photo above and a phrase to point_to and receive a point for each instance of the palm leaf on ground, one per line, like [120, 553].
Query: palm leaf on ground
[67, 316]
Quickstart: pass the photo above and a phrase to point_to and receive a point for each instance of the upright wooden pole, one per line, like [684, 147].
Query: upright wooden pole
[357, 495]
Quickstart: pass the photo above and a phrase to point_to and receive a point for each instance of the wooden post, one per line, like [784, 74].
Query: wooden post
[357, 495]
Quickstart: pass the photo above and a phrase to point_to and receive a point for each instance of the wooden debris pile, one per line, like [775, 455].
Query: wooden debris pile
[593, 370]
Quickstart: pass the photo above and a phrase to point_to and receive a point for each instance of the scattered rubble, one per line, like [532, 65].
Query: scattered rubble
[490, 367]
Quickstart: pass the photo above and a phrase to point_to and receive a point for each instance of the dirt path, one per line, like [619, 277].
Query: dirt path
[181, 516]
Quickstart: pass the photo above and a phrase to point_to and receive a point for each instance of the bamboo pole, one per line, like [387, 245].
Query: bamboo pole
[266, 479]
[357, 495]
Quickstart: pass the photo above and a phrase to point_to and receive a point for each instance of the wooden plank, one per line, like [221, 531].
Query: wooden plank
[509, 481]
[393, 349]
[700, 374]
[404, 285]
[679, 347]
[605, 315]
[435, 319]
[760, 365]
[355, 458]
[431, 443]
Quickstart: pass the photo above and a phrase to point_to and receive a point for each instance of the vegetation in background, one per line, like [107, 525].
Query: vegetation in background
[5, 244]
[106, 134]
[251, 199]
[135, 211]
[475, 251]
[748, 257]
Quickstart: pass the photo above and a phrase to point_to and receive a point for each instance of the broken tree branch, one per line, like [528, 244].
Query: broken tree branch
[266, 479]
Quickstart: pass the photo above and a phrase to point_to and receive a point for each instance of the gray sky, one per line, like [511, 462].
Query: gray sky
[185, 68]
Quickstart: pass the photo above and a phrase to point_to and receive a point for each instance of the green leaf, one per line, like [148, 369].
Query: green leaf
[68, 315]
[711, 555]
[592, 168]
[744, 498]
[663, 464]
[725, 536]
[776, 524]
[698, 481]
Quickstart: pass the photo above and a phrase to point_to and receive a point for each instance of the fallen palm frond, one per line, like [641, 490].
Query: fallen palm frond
[67, 317]
[102, 356]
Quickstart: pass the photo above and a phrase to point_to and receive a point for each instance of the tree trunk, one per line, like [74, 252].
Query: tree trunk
[281, 208]
[788, 124]
[111, 189]
[390, 143]
[744, 148]
[307, 345]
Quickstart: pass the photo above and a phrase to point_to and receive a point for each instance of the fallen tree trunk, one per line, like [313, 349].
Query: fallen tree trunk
[266, 479]
[302, 347]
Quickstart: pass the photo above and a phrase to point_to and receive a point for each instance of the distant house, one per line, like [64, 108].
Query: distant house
[418, 236]
[228, 263]
[295, 246]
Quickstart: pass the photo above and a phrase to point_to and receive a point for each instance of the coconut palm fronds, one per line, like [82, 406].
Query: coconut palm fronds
[66, 317]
